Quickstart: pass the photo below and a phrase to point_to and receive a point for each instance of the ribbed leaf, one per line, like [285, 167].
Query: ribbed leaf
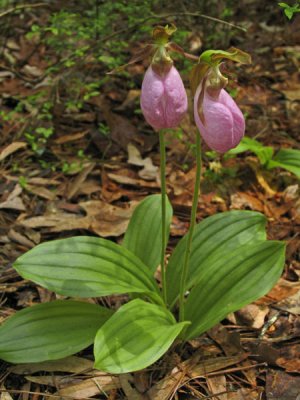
[232, 281]
[50, 331]
[136, 336]
[143, 235]
[288, 159]
[264, 153]
[213, 238]
[86, 267]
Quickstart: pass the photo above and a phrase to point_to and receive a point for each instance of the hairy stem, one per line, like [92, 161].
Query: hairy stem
[184, 272]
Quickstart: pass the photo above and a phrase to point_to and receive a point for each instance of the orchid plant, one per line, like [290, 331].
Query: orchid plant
[220, 265]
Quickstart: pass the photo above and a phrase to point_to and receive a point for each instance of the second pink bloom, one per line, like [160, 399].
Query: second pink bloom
[223, 124]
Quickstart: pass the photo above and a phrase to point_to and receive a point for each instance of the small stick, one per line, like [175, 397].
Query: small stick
[21, 7]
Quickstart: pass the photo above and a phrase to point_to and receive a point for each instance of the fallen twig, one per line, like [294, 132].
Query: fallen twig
[21, 7]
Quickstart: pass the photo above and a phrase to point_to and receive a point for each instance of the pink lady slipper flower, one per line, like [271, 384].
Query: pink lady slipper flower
[222, 124]
[218, 118]
[163, 98]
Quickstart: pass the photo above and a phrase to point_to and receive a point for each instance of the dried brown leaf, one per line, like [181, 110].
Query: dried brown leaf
[126, 180]
[15, 203]
[72, 137]
[102, 218]
[72, 364]
[91, 387]
[282, 386]
[291, 304]
[41, 192]
[130, 392]
[19, 238]
[217, 384]
[281, 291]
[75, 185]
[122, 130]
[150, 171]
[13, 200]
[5, 395]
[107, 220]
[252, 315]
[244, 200]
[244, 394]
[32, 70]
[11, 148]
[289, 358]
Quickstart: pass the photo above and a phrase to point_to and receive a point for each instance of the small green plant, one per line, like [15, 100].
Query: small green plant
[38, 139]
[103, 129]
[288, 159]
[23, 182]
[288, 10]
[47, 165]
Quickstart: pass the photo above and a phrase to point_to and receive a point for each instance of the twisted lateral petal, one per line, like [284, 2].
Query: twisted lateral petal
[163, 99]
[224, 123]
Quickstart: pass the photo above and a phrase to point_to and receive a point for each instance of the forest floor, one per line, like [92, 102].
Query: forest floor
[87, 167]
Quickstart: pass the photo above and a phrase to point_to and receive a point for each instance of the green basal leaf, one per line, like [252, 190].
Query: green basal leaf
[245, 144]
[213, 238]
[50, 331]
[143, 235]
[288, 159]
[264, 153]
[136, 336]
[232, 281]
[86, 267]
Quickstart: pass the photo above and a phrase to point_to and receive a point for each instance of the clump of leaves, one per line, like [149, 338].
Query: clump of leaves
[231, 264]
[289, 10]
[288, 159]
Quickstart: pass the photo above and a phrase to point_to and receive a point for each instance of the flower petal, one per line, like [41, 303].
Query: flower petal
[163, 99]
[224, 124]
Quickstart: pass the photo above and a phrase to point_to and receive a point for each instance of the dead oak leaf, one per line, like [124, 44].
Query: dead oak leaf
[106, 219]
[281, 386]
[101, 218]
[13, 201]
[126, 180]
[243, 200]
[150, 171]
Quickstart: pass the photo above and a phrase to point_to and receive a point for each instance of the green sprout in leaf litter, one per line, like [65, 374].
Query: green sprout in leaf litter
[220, 265]
[289, 10]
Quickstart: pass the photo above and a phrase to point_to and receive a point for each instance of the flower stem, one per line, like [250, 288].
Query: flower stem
[162, 148]
[184, 272]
